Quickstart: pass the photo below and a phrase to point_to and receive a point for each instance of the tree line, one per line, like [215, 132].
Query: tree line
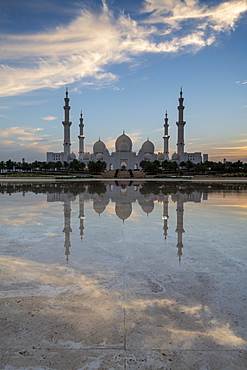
[154, 167]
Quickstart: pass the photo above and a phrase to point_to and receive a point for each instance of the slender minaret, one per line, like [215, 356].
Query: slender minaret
[67, 125]
[166, 139]
[180, 230]
[67, 229]
[180, 124]
[165, 215]
[81, 214]
[81, 138]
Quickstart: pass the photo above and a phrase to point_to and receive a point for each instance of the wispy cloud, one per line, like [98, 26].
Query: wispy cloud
[81, 50]
[13, 131]
[241, 82]
[49, 118]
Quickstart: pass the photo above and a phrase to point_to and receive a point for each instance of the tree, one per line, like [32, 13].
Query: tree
[97, 167]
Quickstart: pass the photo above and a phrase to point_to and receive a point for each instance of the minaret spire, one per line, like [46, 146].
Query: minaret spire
[166, 138]
[180, 123]
[66, 123]
[81, 138]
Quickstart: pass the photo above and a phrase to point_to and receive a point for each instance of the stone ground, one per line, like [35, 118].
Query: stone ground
[57, 318]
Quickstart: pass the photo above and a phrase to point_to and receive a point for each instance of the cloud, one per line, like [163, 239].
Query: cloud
[13, 131]
[82, 50]
[241, 83]
[49, 118]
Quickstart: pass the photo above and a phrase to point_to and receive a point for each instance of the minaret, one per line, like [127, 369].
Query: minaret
[165, 215]
[67, 229]
[67, 124]
[81, 138]
[180, 229]
[180, 124]
[81, 214]
[166, 138]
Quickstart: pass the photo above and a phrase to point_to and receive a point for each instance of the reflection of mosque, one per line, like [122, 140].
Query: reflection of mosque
[123, 196]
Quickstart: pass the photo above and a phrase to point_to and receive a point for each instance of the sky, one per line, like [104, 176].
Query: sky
[123, 62]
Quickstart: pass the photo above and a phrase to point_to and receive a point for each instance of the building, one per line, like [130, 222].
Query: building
[124, 156]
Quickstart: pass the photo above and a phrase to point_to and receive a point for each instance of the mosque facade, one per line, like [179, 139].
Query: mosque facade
[124, 156]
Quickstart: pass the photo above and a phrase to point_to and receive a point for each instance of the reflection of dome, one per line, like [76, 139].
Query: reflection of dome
[147, 157]
[99, 157]
[148, 147]
[99, 207]
[123, 144]
[86, 156]
[160, 157]
[147, 207]
[98, 147]
[123, 210]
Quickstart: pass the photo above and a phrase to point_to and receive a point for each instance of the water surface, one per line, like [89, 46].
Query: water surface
[123, 268]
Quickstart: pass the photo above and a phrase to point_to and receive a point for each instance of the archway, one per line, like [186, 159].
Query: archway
[123, 165]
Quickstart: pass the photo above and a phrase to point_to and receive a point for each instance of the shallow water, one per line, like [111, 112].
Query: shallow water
[124, 268]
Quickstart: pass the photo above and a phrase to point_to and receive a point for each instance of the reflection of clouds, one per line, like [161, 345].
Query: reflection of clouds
[85, 305]
[50, 234]
[23, 219]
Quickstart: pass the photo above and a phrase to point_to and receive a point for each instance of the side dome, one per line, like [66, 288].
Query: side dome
[86, 156]
[160, 157]
[175, 157]
[126, 143]
[147, 157]
[99, 147]
[99, 157]
[148, 147]
[72, 156]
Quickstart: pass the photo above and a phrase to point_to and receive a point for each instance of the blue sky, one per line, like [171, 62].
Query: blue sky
[123, 63]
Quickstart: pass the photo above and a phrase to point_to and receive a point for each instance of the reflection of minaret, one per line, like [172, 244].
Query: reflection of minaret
[67, 125]
[165, 215]
[180, 124]
[179, 229]
[81, 214]
[166, 139]
[81, 138]
[67, 229]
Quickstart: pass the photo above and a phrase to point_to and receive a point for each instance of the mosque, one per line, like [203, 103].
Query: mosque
[124, 156]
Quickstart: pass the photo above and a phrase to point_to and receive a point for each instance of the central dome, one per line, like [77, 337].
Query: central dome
[123, 143]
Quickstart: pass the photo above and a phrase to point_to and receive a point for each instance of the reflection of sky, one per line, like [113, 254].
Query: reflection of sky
[30, 219]
[124, 277]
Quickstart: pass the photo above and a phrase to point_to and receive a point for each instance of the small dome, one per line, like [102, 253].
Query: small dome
[175, 157]
[99, 147]
[123, 139]
[72, 156]
[148, 147]
[86, 156]
[161, 156]
[147, 157]
[99, 157]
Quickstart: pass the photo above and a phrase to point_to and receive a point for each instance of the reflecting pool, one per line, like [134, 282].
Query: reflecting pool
[123, 275]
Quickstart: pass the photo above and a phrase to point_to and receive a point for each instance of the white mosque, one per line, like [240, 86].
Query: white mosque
[124, 156]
